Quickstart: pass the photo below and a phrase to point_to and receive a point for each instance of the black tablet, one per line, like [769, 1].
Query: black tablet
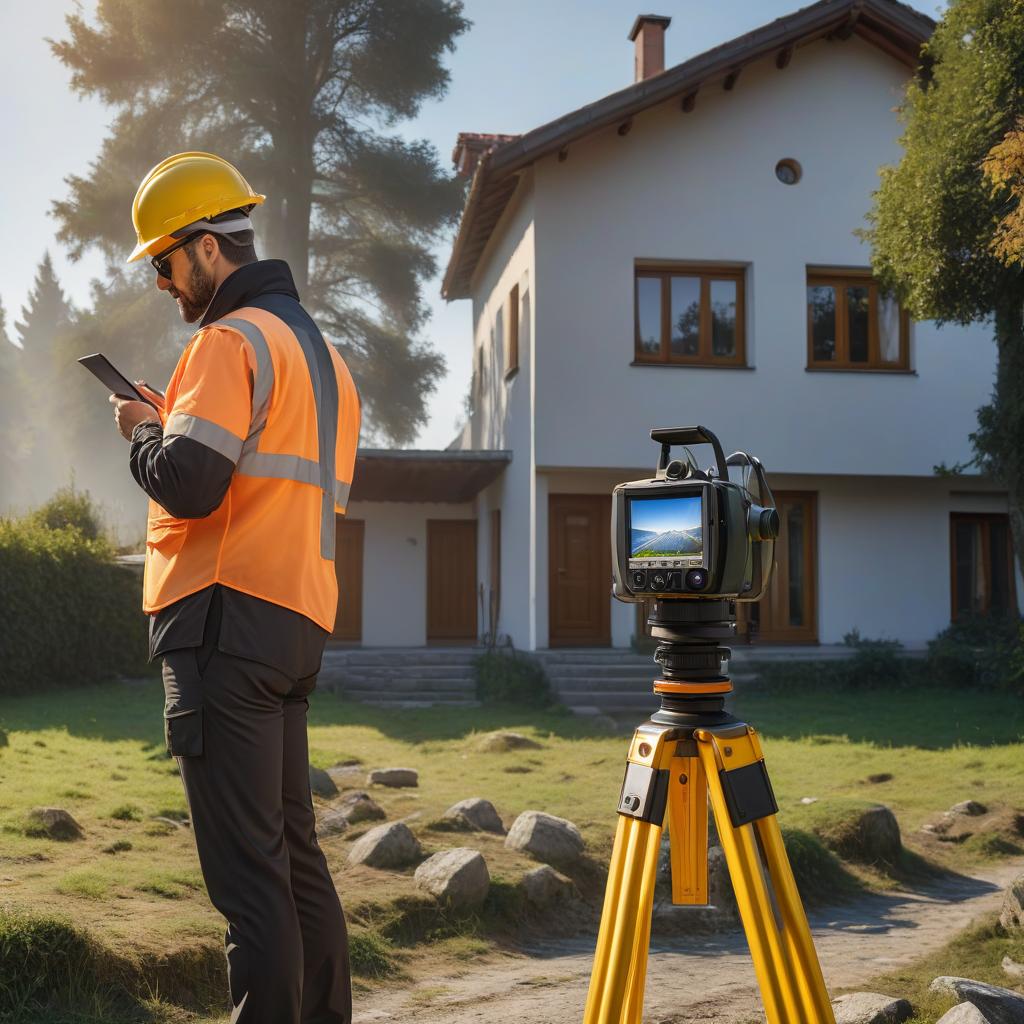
[103, 369]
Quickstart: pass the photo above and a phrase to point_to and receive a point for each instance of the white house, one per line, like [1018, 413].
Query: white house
[684, 251]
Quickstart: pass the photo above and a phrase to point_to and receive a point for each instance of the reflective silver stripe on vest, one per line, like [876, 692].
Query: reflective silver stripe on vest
[341, 492]
[264, 383]
[206, 432]
[289, 467]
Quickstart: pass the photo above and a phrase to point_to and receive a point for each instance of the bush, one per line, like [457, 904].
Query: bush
[979, 651]
[509, 677]
[875, 662]
[69, 508]
[71, 615]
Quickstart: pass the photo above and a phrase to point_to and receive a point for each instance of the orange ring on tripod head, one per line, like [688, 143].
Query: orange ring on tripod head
[672, 686]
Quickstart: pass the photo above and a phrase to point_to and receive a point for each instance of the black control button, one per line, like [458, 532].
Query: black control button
[639, 579]
[659, 581]
[696, 579]
[675, 581]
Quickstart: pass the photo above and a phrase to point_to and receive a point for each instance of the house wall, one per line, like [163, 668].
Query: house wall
[395, 568]
[701, 187]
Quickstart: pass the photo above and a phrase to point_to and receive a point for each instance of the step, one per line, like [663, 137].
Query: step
[403, 671]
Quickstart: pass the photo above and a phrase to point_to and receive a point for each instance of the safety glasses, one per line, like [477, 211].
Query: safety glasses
[162, 263]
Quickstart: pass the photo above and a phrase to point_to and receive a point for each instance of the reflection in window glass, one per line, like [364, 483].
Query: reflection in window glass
[648, 313]
[888, 329]
[685, 321]
[795, 541]
[857, 322]
[970, 584]
[821, 303]
[999, 567]
[723, 318]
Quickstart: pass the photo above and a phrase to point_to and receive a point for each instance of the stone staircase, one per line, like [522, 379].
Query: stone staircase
[401, 677]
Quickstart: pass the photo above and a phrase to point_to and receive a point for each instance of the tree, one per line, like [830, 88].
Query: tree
[300, 94]
[935, 226]
[11, 423]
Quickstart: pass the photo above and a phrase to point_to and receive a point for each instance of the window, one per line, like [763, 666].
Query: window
[851, 325]
[981, 556]
[690, 315]
[512, 332]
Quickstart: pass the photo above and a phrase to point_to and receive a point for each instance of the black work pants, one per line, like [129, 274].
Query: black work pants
[238, 731]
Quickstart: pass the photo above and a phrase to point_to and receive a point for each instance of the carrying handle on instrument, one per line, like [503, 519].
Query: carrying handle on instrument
[669, 436]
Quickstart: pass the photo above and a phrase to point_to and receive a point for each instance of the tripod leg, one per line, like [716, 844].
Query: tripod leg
[786, 965]
[688, 830]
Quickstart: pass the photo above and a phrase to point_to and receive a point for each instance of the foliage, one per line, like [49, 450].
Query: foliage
[509, 676]
[303, 98]
[1004, 170]
[938, 230]
[875, 662]
[69, 509]
[979, 651]
[72, 616]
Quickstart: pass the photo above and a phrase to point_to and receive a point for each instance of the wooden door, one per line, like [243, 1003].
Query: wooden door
[580, 570]
[451, 581]
[788, 613]
[348, 564]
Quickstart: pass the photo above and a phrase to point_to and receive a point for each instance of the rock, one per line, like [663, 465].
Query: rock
[964, 1013]
[1011, 917]
[498, 742]
[550, 839]
[333, 823]
[871, 1008]
[970, 808]
[386, 846]
[870, 836]
[458, 878]
[1013, 969]
[53, 823]
[321, 783]
[360, 806]
[879, 778]
[347, 776]
[474, 815]
[545, 887]
[999, 1005]
[397, 778]
[808, 799]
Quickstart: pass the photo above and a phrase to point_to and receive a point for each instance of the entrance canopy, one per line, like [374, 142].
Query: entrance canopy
[384, 474]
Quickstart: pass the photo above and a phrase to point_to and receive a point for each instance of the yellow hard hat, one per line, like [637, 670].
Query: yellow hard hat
[183, 192]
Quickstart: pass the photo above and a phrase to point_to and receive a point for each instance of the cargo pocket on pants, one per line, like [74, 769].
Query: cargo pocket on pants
[183, 731]
[183, 704]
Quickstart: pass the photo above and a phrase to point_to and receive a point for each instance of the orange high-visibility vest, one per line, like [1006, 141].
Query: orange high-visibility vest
[265, 390]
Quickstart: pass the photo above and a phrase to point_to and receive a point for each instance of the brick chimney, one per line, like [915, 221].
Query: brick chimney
[648, 33]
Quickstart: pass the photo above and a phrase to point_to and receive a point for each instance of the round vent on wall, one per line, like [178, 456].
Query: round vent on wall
[788, 171]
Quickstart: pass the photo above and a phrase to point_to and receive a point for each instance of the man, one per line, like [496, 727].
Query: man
[246, 464]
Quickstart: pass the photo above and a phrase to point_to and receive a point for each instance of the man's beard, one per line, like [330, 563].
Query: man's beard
[201, 290]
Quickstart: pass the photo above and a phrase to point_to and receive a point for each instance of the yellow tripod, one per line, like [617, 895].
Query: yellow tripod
[689, 750]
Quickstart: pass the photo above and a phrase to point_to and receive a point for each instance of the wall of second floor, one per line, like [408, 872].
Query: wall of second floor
[700, 189]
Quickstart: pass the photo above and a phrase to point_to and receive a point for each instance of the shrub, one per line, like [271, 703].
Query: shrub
[507, 676]
[69, 508]
[875, 662]
[979, 651]
[71, 615]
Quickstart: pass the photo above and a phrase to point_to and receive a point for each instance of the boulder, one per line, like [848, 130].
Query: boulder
[999, 1005]
[964, 1013]
[360, 806]
[474, 815]
[1012, 969]
[970, 808]
[321, 783]
[386, 846]
[545, 887]
[871, 1008]
[498, 742]
[546, 837]
[458, 878]
[870, 835]
[347, 776]
[1011, 917]
[333, 823]
[53, 823]
[397, 778]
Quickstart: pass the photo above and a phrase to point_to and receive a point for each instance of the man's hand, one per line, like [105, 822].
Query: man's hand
[128, 414]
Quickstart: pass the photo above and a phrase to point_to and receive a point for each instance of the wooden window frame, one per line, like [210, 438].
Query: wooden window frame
[512, 333]
[705, 273]
[840, 280]
[984, 519]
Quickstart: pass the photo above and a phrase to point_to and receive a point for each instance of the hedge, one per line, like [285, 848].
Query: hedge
[69, 614]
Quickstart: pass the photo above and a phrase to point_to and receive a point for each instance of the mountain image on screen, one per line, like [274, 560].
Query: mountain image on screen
[671, 542]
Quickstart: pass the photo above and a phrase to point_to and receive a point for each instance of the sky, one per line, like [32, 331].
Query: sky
[660, 515]
[519, 66]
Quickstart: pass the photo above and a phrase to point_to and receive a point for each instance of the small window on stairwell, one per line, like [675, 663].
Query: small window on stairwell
[512, 332]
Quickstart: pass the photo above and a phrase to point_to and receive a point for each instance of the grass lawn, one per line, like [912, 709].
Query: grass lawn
[134, 883]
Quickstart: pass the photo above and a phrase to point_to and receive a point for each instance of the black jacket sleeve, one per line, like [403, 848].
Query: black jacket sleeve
[183, 477]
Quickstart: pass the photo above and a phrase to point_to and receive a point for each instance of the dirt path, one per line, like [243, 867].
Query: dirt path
[699, 979]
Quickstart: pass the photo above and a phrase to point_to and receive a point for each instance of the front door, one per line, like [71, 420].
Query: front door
[788, 613]
[348, 564]
[579, 555]
[451, 582]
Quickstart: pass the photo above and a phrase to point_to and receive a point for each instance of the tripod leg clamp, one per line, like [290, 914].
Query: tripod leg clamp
[644, 793]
